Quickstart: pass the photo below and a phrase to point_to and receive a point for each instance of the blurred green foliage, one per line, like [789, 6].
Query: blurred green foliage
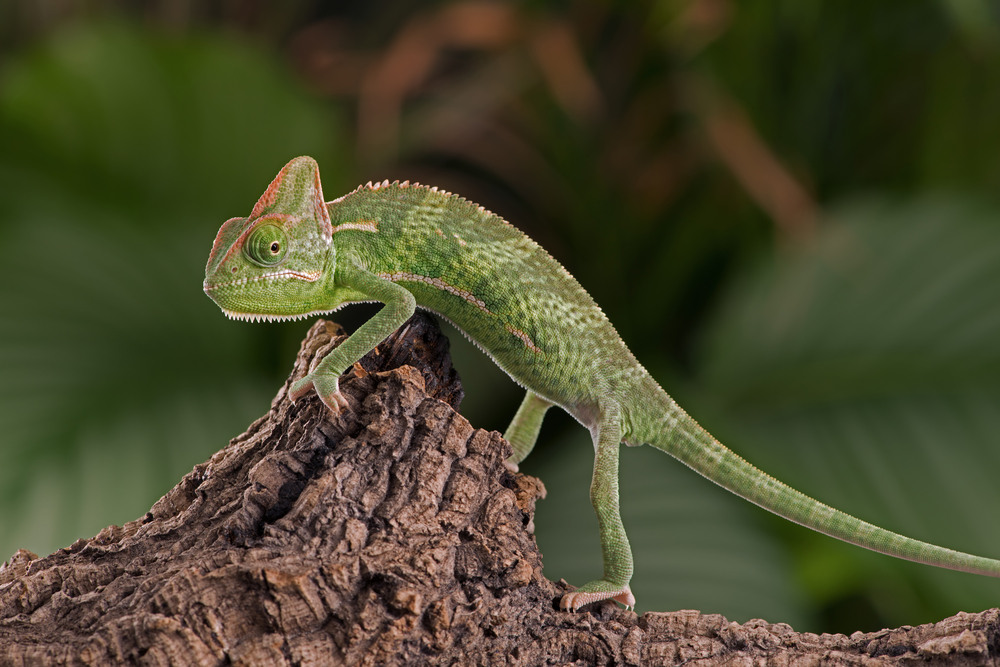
[866, 372]
[121, 153]
[857, 359]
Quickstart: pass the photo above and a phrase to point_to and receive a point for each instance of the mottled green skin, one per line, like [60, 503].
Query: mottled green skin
[521, 288]
[407, 246]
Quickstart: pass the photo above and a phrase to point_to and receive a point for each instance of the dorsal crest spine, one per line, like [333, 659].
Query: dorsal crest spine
[376, 186]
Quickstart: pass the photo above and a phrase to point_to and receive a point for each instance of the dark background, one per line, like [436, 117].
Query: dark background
[787, 207]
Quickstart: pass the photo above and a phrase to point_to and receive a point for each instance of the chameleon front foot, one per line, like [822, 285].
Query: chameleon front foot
[596, 591]
[328, 391]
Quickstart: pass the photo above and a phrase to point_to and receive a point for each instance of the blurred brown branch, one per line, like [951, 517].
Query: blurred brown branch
[759, 170]
[471, 115]
[562, 64]
[478, 25]
[408, 60]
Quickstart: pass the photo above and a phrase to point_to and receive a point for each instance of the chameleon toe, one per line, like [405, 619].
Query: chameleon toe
[300, 389]
[573, 601]
[336, 402]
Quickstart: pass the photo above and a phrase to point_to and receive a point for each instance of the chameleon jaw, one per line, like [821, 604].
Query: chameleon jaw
[310, 277]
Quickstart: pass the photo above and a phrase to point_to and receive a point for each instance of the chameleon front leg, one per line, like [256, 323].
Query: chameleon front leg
[399, 307]
[614, 543]
[523, 430]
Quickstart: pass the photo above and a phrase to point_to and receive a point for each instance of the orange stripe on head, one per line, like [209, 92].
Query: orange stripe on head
[296, 191]
[322, 214]
[269, 197]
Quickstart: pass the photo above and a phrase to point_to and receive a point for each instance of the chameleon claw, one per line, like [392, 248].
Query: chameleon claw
[336, 402]
[511, 466]
[330, 395]
[626, 598]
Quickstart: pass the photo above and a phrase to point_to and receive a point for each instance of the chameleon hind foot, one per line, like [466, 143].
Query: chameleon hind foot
[573, 601]
[328, 391]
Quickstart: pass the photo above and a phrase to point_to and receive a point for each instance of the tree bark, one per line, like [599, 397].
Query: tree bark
[391, 534]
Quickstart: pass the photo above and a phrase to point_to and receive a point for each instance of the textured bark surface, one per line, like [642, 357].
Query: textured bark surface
[389, 535]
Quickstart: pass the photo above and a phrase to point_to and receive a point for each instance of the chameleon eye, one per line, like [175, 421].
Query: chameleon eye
[266, 245]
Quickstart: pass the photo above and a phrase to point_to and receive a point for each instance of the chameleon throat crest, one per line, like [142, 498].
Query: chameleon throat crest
[257, 317]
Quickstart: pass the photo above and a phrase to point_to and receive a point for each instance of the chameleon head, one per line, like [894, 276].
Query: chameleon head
[275, 264]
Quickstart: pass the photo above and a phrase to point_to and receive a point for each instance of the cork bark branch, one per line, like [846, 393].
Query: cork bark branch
[391, 534]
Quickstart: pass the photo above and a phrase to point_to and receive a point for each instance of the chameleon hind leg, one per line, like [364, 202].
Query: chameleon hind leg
[523, 430]
[614, 543]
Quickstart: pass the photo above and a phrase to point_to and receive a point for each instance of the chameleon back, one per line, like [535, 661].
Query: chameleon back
[499, 287]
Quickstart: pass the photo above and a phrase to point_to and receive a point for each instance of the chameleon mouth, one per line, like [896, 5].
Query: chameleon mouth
[310, 277]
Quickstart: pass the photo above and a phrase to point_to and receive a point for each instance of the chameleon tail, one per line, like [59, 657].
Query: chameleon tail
[680, 436]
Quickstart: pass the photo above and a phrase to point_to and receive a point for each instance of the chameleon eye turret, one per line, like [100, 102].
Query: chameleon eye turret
[266, 245]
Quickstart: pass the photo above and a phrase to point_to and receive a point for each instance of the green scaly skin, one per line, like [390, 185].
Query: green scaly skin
[408, 245]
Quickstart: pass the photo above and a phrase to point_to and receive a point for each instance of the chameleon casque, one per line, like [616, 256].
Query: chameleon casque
[407, 245]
